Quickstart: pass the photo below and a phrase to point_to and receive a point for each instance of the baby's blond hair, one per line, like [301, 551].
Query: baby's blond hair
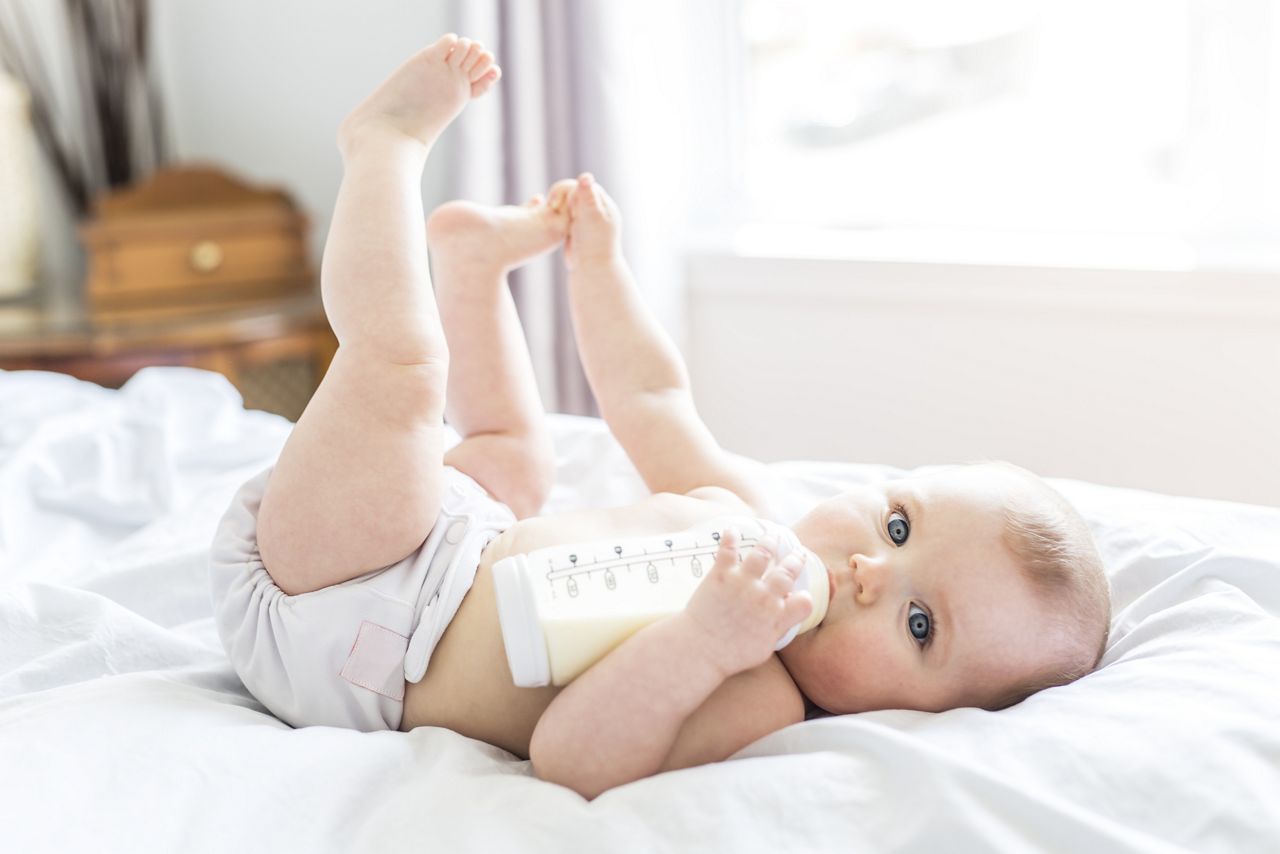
[1057, 553]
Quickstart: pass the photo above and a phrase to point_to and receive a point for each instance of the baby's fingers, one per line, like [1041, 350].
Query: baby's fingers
[781, 577]
[758, 558]
[797, 608]
[727, 554]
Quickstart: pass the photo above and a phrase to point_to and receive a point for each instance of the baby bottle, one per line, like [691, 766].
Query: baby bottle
[564, 607]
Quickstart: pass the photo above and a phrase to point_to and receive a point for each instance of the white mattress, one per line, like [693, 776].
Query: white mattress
[122, 727]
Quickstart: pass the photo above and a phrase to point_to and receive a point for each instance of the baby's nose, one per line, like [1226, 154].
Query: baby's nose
[869, 576]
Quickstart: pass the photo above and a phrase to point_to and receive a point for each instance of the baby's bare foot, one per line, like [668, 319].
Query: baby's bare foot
[503, 237]
[424, 94]
[595, 228]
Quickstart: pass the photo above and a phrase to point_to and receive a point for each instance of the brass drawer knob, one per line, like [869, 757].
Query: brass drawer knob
[206, 256]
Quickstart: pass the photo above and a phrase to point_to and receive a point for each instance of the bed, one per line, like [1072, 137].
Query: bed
[123, 728]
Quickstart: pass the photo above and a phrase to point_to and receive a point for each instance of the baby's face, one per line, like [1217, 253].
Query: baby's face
[930, 609]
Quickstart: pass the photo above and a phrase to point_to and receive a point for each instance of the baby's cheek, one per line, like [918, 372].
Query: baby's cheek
[850, 656]
[874, 660]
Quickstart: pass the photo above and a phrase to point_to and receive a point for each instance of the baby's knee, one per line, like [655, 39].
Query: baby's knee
[389, 394]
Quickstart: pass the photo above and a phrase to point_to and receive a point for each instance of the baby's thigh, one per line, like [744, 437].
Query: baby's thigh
[357, 485]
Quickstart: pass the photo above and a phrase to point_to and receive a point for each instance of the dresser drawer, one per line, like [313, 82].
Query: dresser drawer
[199, 262]
[193, 236]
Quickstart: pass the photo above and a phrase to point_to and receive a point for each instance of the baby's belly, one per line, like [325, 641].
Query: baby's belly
[468, 686]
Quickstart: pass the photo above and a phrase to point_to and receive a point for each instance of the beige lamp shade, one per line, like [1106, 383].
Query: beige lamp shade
[19, 235]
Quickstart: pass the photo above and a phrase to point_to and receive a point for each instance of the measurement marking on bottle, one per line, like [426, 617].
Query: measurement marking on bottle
[694, 553]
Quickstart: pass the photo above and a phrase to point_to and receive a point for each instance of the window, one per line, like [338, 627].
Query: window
[1093, 116]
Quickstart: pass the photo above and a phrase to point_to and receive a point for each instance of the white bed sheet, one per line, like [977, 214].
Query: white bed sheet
[123, 728]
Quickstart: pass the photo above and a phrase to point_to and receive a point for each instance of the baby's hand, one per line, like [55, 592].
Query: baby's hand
[595, 226]
[742, 608]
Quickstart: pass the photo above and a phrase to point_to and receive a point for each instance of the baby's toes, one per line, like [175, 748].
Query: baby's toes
[469, 61]
[558, 194]
[608, 208]
[474, 52]
[584, 196]
[460, 52]
[485, 83]
[481, 66]
[443, 47]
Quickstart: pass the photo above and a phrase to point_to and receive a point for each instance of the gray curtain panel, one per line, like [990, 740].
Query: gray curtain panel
[544, 124]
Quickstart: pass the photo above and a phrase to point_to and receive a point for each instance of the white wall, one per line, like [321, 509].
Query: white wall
[257, 88]
[260, 87]
[1158, 380]
[1165, 382]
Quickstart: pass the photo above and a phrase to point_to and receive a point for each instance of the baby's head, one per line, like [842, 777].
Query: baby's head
[972, 585]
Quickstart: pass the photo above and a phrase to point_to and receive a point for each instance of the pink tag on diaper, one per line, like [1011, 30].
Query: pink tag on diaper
[376, 661]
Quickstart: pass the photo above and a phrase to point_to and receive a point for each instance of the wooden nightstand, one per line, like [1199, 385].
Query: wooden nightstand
[275, 352]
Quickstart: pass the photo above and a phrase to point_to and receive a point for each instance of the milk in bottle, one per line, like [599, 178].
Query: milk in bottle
[564, 607]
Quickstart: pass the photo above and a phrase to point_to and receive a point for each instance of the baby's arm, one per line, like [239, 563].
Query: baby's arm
[636, 372]
[620, 720]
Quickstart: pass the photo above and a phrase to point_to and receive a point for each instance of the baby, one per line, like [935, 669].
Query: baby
[363, 555]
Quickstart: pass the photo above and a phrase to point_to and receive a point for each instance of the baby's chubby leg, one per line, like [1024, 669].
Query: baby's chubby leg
[374, 276]
[357, 484]
[493, 397]
[635, 370]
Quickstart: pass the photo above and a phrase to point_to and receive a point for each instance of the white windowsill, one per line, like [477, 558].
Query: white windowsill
[955, 247]
[1135, 280]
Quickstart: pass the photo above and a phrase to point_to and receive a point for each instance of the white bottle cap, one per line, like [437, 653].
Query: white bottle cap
[522, 636]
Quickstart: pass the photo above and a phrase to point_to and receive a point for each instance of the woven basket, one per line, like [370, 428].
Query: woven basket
[19, 230]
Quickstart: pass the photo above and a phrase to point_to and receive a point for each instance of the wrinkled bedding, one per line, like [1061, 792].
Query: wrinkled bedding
[123, 727]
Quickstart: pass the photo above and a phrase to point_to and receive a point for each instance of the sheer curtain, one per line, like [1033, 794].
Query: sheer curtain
[588, 86]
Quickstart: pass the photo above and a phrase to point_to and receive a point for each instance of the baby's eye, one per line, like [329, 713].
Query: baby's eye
[919, 624]
[899, 526]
